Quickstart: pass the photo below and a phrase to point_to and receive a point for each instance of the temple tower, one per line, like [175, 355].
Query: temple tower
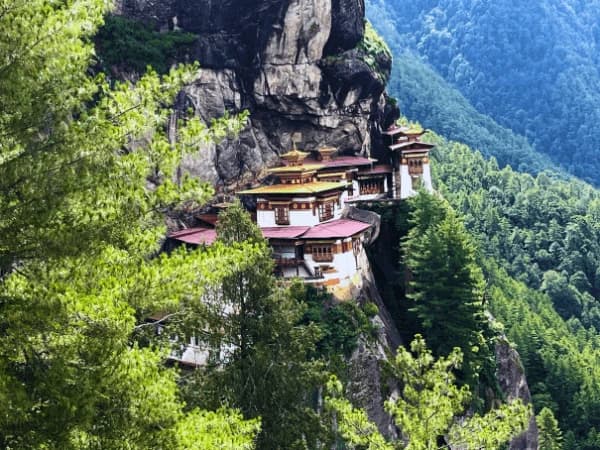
[410, 161]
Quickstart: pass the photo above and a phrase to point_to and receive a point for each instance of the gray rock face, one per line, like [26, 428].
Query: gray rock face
[367, 385]
[294, 64]
[511, 378]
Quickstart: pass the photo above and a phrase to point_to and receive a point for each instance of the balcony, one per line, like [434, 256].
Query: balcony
[286, 262]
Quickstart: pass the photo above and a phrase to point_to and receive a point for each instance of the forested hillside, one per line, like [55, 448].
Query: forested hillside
[533, 67]
[94, 312]
[538, 239]
[427, 97]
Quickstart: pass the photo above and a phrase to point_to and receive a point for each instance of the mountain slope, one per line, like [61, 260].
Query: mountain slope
[533, 67]
[538, 238]
[427, 97]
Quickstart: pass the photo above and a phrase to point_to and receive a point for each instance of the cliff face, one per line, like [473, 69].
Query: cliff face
[296, 65]
[513, 383]
[301, 66]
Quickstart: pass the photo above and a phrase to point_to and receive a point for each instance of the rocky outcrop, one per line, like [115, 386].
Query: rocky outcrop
[296, 65]
[512, 381]
[368, 387]
[302, 66]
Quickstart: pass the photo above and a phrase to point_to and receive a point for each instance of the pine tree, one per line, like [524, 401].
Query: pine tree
[427, 407]
[79, 227]
[550, 435]
[266, 369]
[446, 285]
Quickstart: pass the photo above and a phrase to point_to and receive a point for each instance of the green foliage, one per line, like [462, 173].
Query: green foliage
[543, 230]
[427, 408]
[132, 45]
[261, 354]
[493, 430]
[446, 285]
[370, 309]
[235, 226]
[426, 96]
[430, 399]
[353, 426]
[550, 436]
[532, 67]
[79, 225]
[374, 48]
[341, 324]
[224, 430]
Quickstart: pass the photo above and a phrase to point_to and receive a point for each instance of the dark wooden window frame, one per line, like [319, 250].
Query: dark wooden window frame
[322, 252]
[282, 215]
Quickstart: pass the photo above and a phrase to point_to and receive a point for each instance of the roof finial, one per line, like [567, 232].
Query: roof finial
[296, 137]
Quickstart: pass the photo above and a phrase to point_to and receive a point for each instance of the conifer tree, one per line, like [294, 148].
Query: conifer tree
[265, 367]
[550, 435]
[78, 228]
[426, 410]
[446, 285]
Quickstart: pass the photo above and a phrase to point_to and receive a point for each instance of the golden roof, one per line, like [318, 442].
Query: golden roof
[327, 151]
[294, 156]
[305, 188]
[292, 169]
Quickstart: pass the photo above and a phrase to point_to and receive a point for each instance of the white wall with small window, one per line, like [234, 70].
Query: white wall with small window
[286, 215]
[300, 217]
[324, 261]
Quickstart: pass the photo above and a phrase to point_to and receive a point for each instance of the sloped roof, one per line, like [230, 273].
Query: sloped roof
[211, 219]
[195, 236]
[376, 170]
[414, 145]
[342, 161]
[340, 228]
[310, 167]
[290, 232]
[304, 188]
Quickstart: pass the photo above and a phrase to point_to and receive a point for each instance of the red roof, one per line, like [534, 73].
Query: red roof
[413, 145]
[376, 170]
[340, 228]
[348, 161]
[211, 219]
[342, 161]
[291, 232]
[195, 236]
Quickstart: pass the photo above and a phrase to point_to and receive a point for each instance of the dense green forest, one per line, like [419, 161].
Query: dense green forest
[538, 240]
[546, 307]
[427, 97]
[87, 174]
[533, 67]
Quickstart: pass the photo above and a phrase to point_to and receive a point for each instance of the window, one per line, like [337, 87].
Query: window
[326, 211]
[282, 215]
[415, 166]
[322, 252]
[370, 187]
